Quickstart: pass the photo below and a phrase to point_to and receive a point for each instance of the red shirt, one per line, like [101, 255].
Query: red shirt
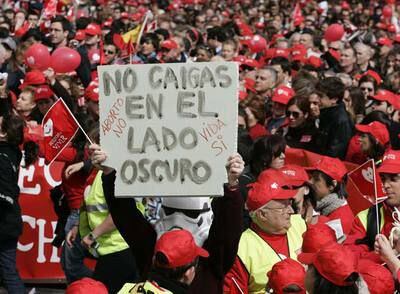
[346, 216]
[257, 131]
[236, 280]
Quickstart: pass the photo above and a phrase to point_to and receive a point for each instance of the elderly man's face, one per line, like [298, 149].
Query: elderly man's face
[274, 217]
[347, 58]
[363, 53]
[307, 40]
[264, 81]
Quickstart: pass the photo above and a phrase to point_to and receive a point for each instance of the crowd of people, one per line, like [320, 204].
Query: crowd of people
[321, 76]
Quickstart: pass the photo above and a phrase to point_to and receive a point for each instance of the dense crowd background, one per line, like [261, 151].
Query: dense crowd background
[322, 76]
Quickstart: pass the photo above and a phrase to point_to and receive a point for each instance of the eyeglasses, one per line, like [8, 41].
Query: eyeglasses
[367, 89]
[283, 209]
[109, 52]
[295, 114]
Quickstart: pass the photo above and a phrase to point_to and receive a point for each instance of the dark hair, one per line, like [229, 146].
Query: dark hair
[322, 285]
[301, 102]
[175, 274]
[339, 189]
[162, 32]
[332, 87]
[357, 100]
[265, 149]
[151, 38]
[283, 62]
[13, 127]
[292, 288]
[370, 79]
[376, 115]
[66, 25]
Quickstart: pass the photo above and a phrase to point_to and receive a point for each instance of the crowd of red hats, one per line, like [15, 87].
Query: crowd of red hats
[321, 76]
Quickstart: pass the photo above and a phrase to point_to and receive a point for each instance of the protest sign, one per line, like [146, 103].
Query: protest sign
[168, 129]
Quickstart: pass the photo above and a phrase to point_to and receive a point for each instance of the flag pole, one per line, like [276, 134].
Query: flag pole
[69, 110]
[376, 198]
[141, 31]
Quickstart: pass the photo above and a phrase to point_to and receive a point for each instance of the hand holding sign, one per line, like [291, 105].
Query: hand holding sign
[234, 168]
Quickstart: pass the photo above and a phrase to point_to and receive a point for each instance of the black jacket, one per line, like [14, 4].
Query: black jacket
[304, 137]
[336, 129]
[10, 211]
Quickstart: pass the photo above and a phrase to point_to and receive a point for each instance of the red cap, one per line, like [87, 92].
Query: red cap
[333, 167]
[179, 248]
[384, 95]
[314, 61]
[249, 84]
[314, 239]
[242, 95]
[385, 42]
[260, 25]
[391, 28]
[378, 278]
[372, 74]
[282, 53]
[390, 163]
[284, 273]
[335, 54]
[377, 129]
[169, 44]
[92, 91]
[86, 285]
[34, 77]
[335, 263]
[265, 190]
[239, 58]
[345, 5]
[250, 62]
[282, 94]
[93, 29]
[136, 16]
[294, 175]
[299, 52]
[80, 35]
[43, 92]
[125, 15]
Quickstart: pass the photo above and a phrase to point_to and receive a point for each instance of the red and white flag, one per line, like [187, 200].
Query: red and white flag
[367, 181]
[50, 9]
[59, 127]
[297, 15]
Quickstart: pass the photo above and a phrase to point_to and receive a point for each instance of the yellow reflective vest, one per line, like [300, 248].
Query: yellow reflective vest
[258, 257]
[93, 212]
[145, 288]
[363, 217]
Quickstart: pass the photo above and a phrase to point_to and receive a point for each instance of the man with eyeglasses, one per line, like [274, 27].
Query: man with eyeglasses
[382, 101]
[275, 234]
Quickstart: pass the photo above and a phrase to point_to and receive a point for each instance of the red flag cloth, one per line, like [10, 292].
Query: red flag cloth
[50, 9]
[59, 127]
[297, 15]
[367, 181]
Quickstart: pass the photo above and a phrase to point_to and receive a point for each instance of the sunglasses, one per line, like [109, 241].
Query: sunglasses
[367, 89]
[295, 114]
[109, 52]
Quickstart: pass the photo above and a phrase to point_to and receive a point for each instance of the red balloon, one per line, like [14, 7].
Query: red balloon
[334, 32]
[65, 60]
[257, 44]
[37, 57]
[387, 11]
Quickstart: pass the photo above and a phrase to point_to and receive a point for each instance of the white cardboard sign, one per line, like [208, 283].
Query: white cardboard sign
[168, 129]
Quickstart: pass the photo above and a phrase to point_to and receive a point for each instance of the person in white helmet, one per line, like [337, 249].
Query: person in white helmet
[221, 241]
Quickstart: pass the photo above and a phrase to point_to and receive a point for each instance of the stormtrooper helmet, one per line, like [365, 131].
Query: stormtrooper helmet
[192, 213]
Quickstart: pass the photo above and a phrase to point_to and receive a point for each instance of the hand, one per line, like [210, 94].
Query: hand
[98, 157]
[73, 168]
[383, 248]
[87, 242]
[3, 85]
[234, 168]
[71, 236]
[251, 119]
[50, 75]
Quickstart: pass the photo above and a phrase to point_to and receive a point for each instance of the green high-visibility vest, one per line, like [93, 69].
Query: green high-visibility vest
[145, 288]
[93, 212]
[259, 258]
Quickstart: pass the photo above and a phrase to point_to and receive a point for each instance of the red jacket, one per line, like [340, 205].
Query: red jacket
[346, 216]
[257, 131]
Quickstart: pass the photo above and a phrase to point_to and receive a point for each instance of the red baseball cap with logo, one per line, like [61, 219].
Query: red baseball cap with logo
[390, 163]
[335, 263]
[333, 167]
[282, 94]
[377, 129]
[335, 54]
[372, 74]
[378, 278]
[294, 175]
[92, 91]
[169, 44]
[284, 273]
[385, 42]
[299, 52]
[43, 92]
[33, 78]
[314, 239]
[93, 29]
[179, 248]
[384, 95]
[314, 61]
[265, 190]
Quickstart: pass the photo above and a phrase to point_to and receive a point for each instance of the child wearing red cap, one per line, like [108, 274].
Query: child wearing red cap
[328, 184]
[287, 276]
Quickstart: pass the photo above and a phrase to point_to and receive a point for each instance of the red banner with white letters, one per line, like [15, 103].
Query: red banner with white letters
[37, 259]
